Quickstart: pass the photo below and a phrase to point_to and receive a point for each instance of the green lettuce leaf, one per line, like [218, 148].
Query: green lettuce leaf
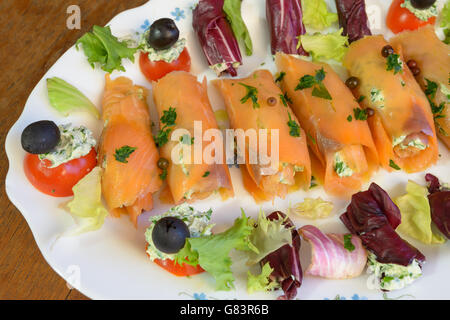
[445, 16]
[65, 98]
[416, 215]
[87, 207]
[261, 282]
[316, 14]
[268, 236]
[101, 47]
[325, 46]
[232, 9]
[212, 252]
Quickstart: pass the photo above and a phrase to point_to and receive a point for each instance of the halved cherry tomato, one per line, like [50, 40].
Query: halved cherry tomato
[399, 19]
[179, 270]
[58, 181]
[154, 70]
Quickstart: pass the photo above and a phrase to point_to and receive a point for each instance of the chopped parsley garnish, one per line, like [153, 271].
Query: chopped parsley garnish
[360, 114]
[186, 139]
[168, 120]
[285, 99]
[163, 175]
[294, 127]
[252, 93]
[393, 62]
[348, 242]
[280, 76]
[339, 167]
[393, 165]
[360, 99]
[349, 118]
[123, 153]
[437, 110]
[315, 82]
[206, 174]
[311, 138]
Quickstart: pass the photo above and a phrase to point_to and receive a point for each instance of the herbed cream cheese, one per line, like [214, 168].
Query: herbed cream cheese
[340, 167]
[75, 143]
[422, 14]
[377, 97]
[393, 276]
[198, 222]
[168, 55]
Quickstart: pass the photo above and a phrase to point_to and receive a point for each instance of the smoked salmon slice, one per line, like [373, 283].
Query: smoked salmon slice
[433, 59]
[181, 102]
[342, 146]
[127, 151]
[293, 170]
[402, 126]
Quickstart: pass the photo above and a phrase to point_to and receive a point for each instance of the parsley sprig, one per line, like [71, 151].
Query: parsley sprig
[393, 165]
[252, 93]
[122, 154]
[168, 120]
[315, 82]
[437, 110]
[294, 127]
[393, 62]
[348, 242]
[360, 114]
[280, 76]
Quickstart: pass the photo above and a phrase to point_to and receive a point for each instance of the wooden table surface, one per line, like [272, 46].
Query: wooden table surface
[34, 35]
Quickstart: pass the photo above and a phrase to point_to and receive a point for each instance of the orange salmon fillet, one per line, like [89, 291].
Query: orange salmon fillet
[127, 187]
[294, 168]
[332, 138]
[403, 126]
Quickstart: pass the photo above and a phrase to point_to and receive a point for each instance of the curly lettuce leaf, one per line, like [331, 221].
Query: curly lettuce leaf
[416, 215]
[87, 207]
[65, 98]
[232, 9]
[316, 14]
[101, 47]
[325, 46]
[261, 282]
[268, 236]
[313, 208]
[445, 16]
[212, 252]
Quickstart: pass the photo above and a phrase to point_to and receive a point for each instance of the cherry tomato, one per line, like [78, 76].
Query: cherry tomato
[399, 19]
[154, 70]
[179, 270]
[58, 181]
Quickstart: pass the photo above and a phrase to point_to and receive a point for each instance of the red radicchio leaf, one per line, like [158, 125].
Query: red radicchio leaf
[215, 35]
[285, 261]
[353, 18]
[439, 199]
[285, 18]
[373, 217]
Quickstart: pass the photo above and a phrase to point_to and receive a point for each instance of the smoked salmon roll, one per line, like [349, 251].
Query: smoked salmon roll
[127, 152]
[402, 125]
[432, 57]
[181, 101]
[343, 152]
[255, 103]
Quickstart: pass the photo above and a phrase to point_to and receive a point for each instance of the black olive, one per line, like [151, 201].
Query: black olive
[271, 101]
[387, 51]
[169, 234]
[163, 34]
[411, 64]
[40, 137]
[422, 4]
[163, 163]
[352, 82]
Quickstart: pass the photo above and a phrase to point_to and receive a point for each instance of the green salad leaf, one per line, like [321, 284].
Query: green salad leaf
[212, 252]
[232, 9]
[316, 14]
[65, 98]
[87, 207]
[416, 215]
[325, 46]
[101, 47]
[268, 236]
[261, 282]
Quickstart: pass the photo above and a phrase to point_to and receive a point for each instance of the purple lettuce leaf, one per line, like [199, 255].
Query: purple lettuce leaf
[215, 35]
[439, 199]
[286, 261]
[285, 18]
[353, 19]
[373, 217]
